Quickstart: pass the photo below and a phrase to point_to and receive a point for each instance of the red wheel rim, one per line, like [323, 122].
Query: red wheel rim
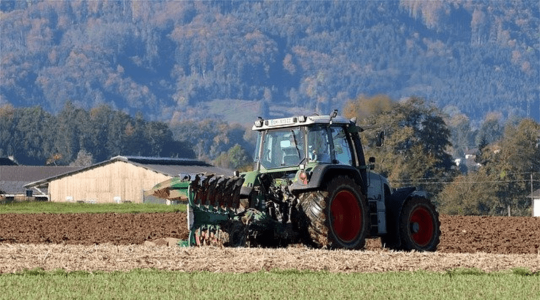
[421, 219]
[347, 216]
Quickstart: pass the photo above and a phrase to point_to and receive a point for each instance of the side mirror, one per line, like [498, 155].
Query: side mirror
[371, 164]
[380, 139]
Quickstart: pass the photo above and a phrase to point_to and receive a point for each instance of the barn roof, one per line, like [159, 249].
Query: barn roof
[167, 166]
[173, 166]
[14, 178]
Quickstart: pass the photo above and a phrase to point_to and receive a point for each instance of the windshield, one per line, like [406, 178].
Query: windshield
[280, 148]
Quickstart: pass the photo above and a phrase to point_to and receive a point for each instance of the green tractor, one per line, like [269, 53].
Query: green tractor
[310, 184]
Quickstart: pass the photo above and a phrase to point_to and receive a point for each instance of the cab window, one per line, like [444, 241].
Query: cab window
[342, 149]
[319, 144]
[282, 148]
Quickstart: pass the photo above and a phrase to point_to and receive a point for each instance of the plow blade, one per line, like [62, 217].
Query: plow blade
[175, 189]
[212, 202]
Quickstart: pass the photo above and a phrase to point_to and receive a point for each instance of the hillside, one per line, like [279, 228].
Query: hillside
[176, 60]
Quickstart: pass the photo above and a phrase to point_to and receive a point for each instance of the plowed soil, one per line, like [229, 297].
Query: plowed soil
[502, 235]
[115, 242]
[90, 229]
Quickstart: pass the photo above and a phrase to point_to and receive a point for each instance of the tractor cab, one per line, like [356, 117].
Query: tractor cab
[285, 144]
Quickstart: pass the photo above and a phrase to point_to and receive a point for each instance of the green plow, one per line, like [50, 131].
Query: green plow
[212, 203]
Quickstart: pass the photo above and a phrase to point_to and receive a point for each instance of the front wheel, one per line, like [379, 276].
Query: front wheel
[337, 217]
[419, 225]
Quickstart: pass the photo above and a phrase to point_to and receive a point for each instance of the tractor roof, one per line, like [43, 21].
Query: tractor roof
[262, 124]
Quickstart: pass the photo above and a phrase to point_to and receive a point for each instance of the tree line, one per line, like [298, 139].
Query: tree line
[36, 137]
[76, 136]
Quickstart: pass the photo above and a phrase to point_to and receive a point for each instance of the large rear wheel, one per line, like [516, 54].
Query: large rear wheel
[337, 217]
[419, 225]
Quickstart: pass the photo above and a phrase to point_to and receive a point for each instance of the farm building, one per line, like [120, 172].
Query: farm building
[120, 179]
[535, 196]
[13, 179]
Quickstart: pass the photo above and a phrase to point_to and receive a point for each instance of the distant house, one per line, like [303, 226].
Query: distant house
[13, 179]
[120, 179]
[535, 197]
[471, 154]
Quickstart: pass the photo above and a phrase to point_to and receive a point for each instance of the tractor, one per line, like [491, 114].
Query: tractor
[310, 185]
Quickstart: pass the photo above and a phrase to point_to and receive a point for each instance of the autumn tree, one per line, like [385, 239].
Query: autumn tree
[514, 162]
[474, 193]
[84, 159]
[363, 108]
[416, 140]
[235, 158]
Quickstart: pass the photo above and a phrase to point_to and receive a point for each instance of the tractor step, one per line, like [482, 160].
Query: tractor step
[373, 218]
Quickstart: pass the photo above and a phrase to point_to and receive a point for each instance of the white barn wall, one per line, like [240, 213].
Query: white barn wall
[105, 182]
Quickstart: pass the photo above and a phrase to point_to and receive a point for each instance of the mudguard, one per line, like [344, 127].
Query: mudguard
[320, 173]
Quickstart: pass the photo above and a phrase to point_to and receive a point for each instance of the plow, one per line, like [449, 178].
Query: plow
[211, 201]
[216, 214]
[310, 184]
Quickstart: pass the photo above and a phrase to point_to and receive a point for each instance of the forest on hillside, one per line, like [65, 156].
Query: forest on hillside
[165, 59]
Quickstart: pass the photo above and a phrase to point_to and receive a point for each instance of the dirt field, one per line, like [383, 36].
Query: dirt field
[115, 242]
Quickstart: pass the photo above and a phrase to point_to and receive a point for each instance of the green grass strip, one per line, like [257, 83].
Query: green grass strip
[68, 208]
[154, 284]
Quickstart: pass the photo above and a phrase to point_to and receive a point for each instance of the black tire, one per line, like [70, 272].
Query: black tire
[337, 217]
[237, 234]
[392, 240]
[419, 225]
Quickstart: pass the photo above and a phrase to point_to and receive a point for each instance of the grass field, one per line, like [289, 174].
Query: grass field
[63, 207]
[154, 284]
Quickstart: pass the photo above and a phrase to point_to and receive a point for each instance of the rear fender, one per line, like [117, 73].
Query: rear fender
[321, 174]
[396, 201]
